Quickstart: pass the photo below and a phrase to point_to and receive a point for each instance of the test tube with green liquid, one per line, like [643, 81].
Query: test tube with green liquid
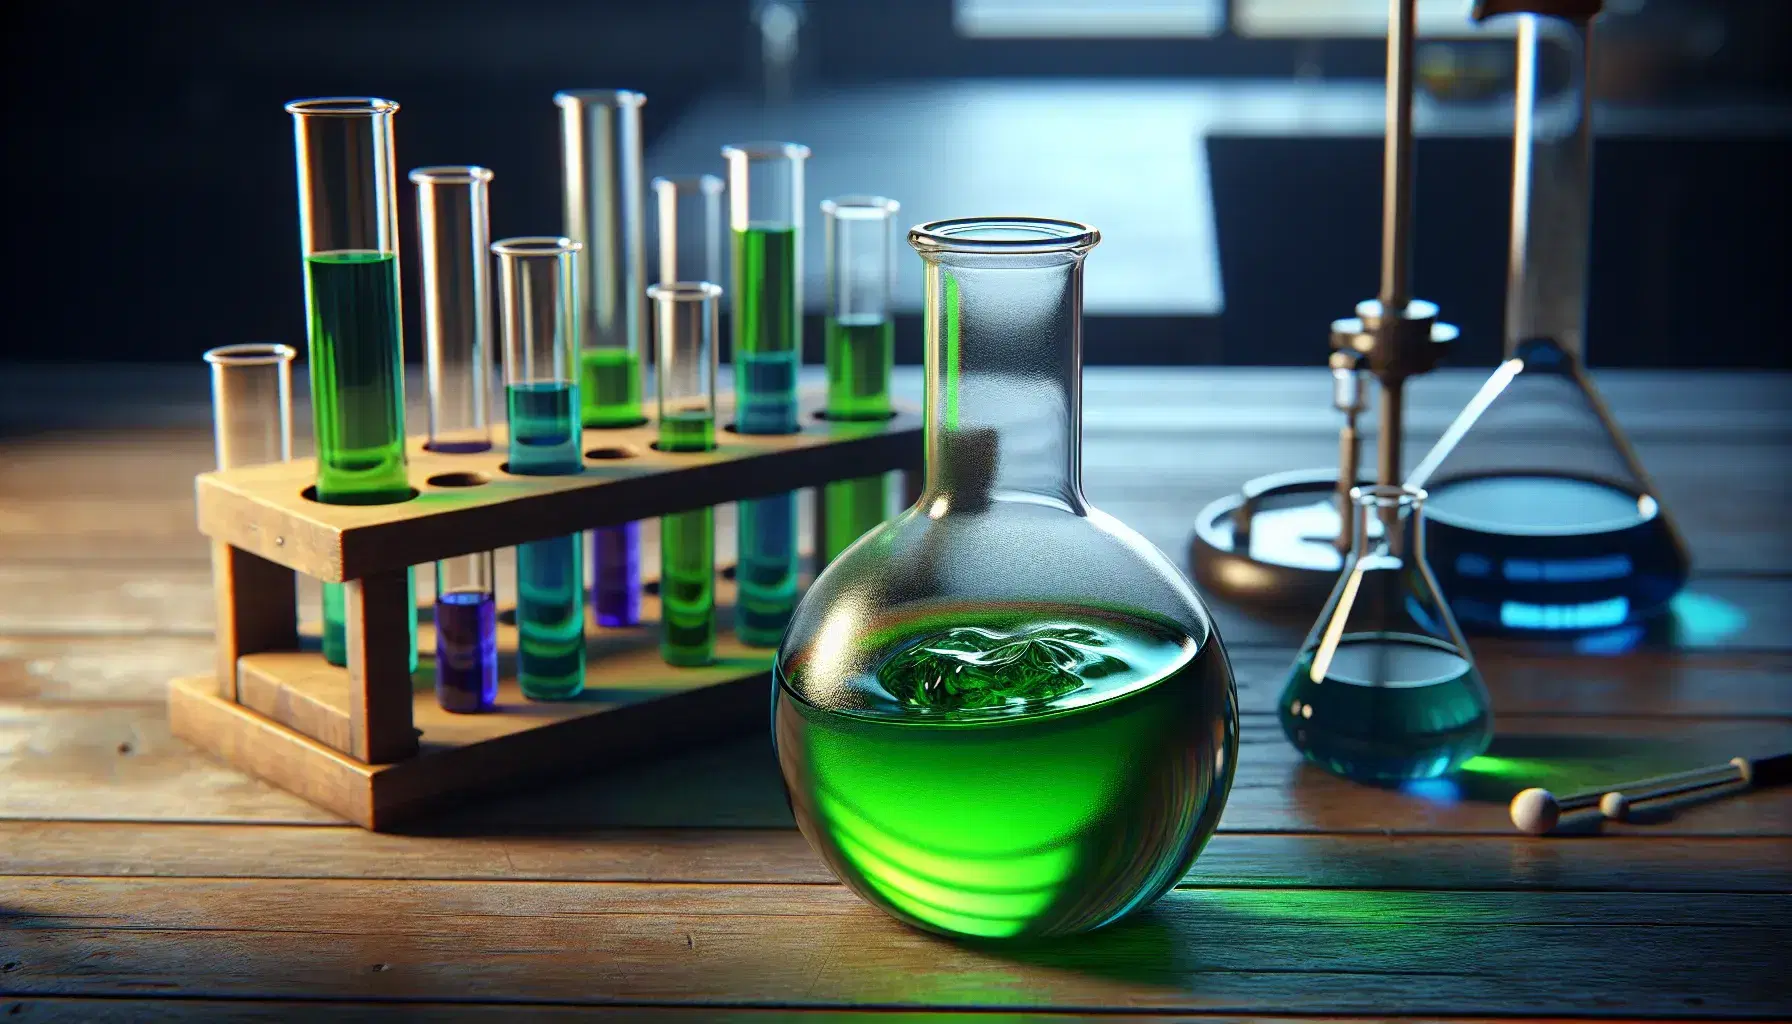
[348, 236]
[861, 338]
[685, 315]
[602, 196]
[765, 219]
[536, 289]
[454, 235]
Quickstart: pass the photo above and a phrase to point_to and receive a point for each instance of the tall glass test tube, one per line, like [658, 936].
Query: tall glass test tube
[536, 288]
[348, 235]
[765, 218]
[601, 180]
[688, 228]
[453, 225]
[685, 324]
[861, 340]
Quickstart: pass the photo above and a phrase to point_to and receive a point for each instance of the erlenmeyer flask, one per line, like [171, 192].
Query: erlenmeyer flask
[1003, 713]
[1541, 517]
[1385, 688]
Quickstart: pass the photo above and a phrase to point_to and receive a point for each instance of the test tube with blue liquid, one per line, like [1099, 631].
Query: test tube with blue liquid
[861, 342]
[685, 315]
[539, 315]
[453, 225]
[348, 236]
[602, 196]
[765, 218]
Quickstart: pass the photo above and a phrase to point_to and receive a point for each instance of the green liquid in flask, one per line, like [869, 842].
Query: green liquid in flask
[1388, 707]
[610, 388]
[1010, 770]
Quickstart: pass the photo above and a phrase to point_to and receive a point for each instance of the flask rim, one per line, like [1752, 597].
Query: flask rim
[1003, 235]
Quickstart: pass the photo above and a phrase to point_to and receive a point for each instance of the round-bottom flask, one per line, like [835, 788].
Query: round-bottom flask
[1385, 688]
[1003, 713]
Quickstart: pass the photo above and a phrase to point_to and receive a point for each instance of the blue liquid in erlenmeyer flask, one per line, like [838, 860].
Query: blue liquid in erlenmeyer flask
[1531, 552]
[1387, 707]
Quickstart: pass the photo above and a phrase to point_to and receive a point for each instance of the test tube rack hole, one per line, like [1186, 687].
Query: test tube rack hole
[368, 741]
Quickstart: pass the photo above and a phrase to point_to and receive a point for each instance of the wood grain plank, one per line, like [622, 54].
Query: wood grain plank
[65, 761]
[1717, 684]
[1247, 860]
[253, 1011]
[1714, 614]
[119, 762]
[1216, 950]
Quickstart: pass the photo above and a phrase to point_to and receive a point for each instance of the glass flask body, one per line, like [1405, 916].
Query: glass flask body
[1541, 518]
[1004, 714]
[1385, 688]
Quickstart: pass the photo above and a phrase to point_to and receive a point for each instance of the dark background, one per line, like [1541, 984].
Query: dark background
[149, 163]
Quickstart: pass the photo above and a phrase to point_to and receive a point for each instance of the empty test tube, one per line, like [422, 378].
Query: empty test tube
[688, 228]
[251, 403]
[539, 319]
[685, 315]
[348, 234]
[251, 420]
[861, 339]
[765, 220]
[453, 225]
[602, 197]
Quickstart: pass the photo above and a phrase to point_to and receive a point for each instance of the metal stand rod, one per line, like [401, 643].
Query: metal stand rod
[1396, 179]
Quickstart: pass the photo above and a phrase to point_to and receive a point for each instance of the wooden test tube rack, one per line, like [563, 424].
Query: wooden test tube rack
[368, 741]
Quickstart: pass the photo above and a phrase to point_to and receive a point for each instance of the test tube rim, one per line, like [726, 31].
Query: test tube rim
[859, 207]
[251, 353]
[708, 184]
[601, 97]
[342, 106]
[1388, 496]
[755, 152]
[1043, 235]
[536, 245]
[684, 291]
[451, 174]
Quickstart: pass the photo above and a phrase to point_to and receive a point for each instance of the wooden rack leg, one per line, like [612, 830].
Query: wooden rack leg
[377, 617]
[257, 608]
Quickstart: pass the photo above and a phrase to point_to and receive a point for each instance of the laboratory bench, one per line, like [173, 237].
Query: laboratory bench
[140, 879]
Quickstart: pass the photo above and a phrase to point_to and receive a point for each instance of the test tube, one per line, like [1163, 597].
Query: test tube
[685, 316]
[600, 132]
[453, 225]
[688, 228]
[765, 217]
[348, 237]
[539, 316]
[251, 425]
[861, 339]
[251, 403]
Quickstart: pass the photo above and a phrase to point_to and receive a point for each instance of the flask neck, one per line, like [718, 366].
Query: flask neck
[1004, 380]
[1390, 525]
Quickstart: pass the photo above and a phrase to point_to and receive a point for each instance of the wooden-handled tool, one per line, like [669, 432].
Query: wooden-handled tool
[1537, 810]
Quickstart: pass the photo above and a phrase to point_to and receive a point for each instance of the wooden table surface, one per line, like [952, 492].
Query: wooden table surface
[140, 879]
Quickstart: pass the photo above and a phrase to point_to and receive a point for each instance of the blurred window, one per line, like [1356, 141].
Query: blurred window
[1086, 19]
[1347, 18]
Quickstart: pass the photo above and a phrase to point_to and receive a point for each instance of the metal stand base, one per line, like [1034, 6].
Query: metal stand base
[1287, 559]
